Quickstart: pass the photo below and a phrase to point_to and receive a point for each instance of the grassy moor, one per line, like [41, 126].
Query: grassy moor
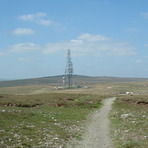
[43, 120]
[41, 116]
[129, 121]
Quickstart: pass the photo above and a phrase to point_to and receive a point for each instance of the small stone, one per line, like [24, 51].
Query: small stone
[56, 138]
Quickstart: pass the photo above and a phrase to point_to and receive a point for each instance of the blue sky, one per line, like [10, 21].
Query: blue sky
[106, 37]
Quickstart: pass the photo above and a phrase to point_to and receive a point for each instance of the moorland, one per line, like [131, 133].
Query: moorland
[35, 114]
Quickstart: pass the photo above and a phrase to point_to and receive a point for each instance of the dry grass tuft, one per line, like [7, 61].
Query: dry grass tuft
[129, 122]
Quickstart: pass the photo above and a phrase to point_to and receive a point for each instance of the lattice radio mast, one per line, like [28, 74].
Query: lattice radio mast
[68, 71]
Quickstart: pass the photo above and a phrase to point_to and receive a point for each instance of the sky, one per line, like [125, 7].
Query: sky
[105, 37]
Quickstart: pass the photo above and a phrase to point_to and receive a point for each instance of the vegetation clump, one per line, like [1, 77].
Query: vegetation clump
[43, 120]
[129, 121]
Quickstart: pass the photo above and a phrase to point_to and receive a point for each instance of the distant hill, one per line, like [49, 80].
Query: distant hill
[3, 79]
[57, 80]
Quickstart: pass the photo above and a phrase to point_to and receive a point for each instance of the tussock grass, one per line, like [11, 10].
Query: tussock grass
[43, 120]
[129, 122]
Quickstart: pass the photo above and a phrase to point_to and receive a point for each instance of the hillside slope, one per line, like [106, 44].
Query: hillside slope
[57, 80]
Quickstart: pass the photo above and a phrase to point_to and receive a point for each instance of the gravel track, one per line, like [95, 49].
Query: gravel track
[97, 132]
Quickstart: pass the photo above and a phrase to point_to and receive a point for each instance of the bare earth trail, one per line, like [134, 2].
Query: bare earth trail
[97, 132]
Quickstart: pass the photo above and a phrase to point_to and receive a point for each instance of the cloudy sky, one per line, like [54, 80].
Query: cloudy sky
[106, 37]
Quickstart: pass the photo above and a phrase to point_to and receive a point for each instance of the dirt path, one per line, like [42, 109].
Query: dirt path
[97, 133]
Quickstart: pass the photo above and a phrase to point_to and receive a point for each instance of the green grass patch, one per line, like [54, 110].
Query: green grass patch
[43, 120]
[129, 122]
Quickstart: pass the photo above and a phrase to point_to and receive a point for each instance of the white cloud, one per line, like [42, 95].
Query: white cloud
[28, 17]
[45, 22]
[32, 17]
[145, 15]
[23, 47]
[84, 44]
[87, 44]
[40, 18]
[40, 14]
[92, 38]
[23, 31]
[139, 61]
[132, 29]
